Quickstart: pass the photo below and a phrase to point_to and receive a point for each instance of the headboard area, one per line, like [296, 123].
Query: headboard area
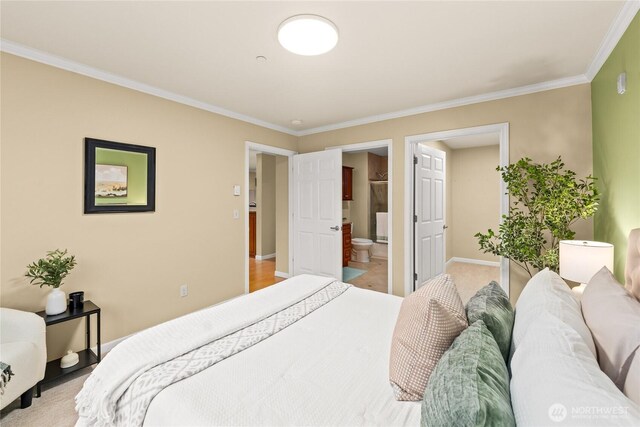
[632, 270]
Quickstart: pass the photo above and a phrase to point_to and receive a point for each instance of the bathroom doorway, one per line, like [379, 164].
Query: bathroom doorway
[366, 215]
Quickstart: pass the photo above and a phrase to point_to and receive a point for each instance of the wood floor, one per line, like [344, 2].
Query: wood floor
[262, 273]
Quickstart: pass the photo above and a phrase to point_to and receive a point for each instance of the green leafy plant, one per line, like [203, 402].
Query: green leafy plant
[52, 269]
[546, 200]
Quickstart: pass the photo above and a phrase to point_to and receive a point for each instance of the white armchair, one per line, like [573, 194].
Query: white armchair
[23, 346]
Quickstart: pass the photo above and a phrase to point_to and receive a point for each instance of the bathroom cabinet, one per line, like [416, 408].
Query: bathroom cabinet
[347, 183]
[346, 244]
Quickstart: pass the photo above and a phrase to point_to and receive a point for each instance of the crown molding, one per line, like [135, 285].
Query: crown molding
[613, 36]
[492, 96]
[76, 67]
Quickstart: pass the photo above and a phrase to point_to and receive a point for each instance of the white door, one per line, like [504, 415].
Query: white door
[429, 211]
[317, 213]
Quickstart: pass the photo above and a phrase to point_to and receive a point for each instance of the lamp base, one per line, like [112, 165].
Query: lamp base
[578, 290]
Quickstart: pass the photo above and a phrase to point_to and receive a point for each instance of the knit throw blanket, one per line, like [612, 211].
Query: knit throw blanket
[122, 386]
[5, 376]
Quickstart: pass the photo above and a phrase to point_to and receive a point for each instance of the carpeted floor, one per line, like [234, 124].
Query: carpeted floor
[469, 278]
[56, 407]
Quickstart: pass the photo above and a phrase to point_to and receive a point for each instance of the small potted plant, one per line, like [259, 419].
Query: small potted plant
[51, 271]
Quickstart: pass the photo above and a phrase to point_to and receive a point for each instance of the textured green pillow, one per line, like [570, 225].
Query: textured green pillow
[491, 304]
[470, 384]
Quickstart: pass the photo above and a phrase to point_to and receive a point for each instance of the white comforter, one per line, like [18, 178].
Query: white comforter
[97, 400]
[330, 368]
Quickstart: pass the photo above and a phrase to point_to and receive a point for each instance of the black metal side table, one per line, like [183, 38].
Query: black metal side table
[86, 356]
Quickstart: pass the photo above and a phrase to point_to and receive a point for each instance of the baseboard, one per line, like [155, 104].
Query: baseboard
[281, 274]
[108, 346]
[261, 257]
[474, 261]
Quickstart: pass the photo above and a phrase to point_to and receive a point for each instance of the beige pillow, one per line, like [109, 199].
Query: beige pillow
[632, 269]
[613, 316]
[428, 322]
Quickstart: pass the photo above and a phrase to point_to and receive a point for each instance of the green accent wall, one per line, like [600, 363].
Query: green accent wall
[136, 175]
[616, 145]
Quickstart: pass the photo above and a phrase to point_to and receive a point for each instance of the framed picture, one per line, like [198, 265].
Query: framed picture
[111, 181]
[118, 177]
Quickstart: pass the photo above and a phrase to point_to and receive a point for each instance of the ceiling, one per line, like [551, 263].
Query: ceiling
[392, 56]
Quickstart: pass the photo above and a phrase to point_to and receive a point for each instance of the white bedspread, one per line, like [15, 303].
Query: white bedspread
[96, 401]
[330, 368]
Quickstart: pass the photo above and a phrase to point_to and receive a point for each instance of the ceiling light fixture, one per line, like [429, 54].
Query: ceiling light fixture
[308, 35]
[296, 122]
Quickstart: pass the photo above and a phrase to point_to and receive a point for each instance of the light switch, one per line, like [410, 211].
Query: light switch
[236, 190]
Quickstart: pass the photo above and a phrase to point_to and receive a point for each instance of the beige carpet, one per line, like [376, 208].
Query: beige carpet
[56, 407]
[469, 278]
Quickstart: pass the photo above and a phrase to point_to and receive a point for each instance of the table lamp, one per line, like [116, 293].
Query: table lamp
[580, 260]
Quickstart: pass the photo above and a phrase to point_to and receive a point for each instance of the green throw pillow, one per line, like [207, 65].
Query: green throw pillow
[470, 384]
[491, 304]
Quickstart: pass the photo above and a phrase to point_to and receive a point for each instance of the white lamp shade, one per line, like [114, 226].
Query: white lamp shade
[580, 260]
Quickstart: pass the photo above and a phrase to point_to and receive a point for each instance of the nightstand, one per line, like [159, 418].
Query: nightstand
[86, 356]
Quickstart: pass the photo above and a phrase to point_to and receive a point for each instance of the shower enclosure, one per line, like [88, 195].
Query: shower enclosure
[378, 202]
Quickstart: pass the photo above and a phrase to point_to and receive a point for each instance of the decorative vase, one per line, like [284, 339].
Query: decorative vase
[56, 302]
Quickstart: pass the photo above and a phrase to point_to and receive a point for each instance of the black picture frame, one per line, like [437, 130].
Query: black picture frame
[90, 207]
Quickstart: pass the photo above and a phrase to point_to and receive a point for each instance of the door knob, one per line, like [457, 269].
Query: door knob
[336, 228]
[444, 227]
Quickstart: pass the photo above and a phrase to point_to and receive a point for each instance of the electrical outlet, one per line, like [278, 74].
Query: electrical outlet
[184, 290]
[236, 214]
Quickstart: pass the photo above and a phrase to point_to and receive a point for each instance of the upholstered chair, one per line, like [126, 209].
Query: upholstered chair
[23, 347]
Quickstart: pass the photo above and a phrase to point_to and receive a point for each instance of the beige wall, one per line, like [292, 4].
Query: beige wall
[475, 199]
[358, 208]
[266, 205]
[542, 126]
[282, 214]
[252, 180]
[131, 264]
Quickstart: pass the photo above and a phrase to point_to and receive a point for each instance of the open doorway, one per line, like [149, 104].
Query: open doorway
[455, 192]
[267, 223]
[366, 215]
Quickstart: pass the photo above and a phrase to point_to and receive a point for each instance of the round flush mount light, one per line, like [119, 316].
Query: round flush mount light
[308, 35]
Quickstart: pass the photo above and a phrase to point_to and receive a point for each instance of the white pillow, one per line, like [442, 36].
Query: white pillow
[556, 379]
[632, 384]
[547, 292]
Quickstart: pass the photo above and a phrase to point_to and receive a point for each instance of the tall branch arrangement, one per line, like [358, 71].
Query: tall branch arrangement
[547, 200]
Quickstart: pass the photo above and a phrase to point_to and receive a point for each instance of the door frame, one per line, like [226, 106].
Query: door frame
[377, 144]
[254, 146]
[410, 141]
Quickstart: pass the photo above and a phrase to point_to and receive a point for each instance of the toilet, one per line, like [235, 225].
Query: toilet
[360, 249]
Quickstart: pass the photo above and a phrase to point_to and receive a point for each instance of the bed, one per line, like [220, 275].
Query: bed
[314, 351]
